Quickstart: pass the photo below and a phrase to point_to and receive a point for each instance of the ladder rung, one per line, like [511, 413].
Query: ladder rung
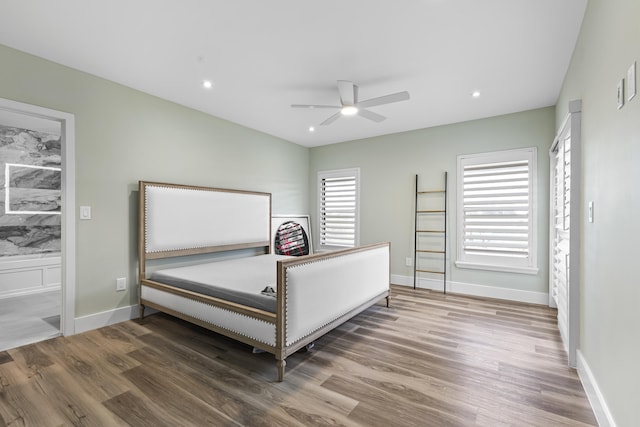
[431, 191]
[432, 211]
[429, 231]
[430, 271]
[430, 251]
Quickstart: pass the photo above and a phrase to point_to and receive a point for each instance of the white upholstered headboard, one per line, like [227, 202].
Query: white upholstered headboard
[183, 220]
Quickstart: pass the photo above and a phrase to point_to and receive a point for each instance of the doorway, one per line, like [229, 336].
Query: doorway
[37, 223]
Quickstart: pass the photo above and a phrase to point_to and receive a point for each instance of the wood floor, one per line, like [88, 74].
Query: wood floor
[429, 360]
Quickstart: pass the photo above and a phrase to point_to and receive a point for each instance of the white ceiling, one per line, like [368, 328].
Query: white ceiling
[263, 56]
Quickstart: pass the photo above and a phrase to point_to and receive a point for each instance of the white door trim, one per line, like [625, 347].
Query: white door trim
[571, 126]
[68, 234]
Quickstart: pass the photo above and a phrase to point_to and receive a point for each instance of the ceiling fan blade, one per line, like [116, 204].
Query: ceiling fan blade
[311, 107]
[387, 99]
[371, 115]
[347, 92]
[331, 119]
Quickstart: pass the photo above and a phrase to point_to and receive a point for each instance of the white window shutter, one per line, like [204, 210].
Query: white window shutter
[496, 210]
[338, 208]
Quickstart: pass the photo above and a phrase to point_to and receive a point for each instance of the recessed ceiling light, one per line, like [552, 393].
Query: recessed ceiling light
[476, 94]
[349, 110]
[207, 84]
[312, 129]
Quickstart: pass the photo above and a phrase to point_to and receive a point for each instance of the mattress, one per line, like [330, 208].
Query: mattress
[240, 280]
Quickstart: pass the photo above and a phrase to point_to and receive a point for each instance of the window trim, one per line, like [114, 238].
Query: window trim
[528, 265]
[338, 173]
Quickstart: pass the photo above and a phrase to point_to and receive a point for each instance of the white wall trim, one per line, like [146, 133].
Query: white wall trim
[474, 289]
[105, 318]
[110, 317]
[598, 403]
[29, 275]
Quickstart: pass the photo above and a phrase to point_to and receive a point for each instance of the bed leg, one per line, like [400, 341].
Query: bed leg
[281, 365]
[141, 312]
[388, 298]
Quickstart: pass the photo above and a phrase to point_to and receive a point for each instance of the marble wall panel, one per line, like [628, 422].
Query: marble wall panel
[31, 161]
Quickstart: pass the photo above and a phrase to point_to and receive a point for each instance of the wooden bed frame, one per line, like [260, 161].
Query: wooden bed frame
[315, 293]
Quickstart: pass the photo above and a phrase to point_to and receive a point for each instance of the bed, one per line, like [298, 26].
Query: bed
[275, 303]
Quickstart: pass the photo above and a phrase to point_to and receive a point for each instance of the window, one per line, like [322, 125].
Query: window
[338, 208]
[497, 222]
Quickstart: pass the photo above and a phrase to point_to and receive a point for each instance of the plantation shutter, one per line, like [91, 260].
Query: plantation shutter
[497, 209]
[338, 208]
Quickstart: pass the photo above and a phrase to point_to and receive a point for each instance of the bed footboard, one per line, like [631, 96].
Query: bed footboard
[319, 292]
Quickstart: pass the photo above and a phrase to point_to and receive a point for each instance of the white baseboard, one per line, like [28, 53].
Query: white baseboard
[475, 290]
[107, 318]
[598, 404]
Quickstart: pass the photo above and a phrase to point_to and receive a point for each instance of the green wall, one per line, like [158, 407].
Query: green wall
[608, 44]
[388, 165]
[123, 136]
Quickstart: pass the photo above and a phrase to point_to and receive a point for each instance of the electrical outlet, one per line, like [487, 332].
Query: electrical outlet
[408, 261]
[121, 284]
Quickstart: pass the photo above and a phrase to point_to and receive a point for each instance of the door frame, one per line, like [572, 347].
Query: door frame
[68, 220]
[572, 124]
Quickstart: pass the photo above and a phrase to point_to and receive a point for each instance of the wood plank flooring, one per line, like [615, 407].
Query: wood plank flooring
[428, 360]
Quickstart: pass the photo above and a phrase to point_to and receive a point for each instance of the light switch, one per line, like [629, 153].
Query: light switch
[620, 92]
[591, 211]
[85, 212]
[631, 82]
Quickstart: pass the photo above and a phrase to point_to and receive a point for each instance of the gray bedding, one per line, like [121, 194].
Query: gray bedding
[241, 280]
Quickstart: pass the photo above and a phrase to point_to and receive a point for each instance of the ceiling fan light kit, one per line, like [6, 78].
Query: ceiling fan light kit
[349, 110]
[350, 105]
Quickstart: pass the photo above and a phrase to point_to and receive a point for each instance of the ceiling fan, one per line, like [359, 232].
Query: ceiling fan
[350, 104]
